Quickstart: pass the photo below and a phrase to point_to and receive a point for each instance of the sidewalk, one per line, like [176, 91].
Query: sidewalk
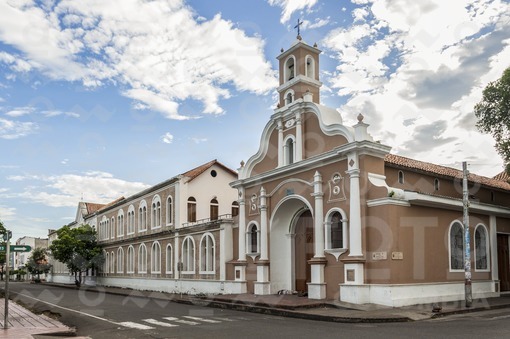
[22, 323]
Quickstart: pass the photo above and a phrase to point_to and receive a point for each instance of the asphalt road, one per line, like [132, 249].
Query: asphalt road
[101, 315]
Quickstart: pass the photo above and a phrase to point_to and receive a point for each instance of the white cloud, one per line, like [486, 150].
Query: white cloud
[14, 129]
[7, 213]
[154, 49]
[198, 140]
[316, 24]
[415, 70]
[290, 6]
[54, 113]
[167, 138]
[19, 112]
[67, 189]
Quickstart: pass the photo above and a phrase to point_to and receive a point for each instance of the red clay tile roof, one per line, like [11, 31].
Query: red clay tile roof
[93, 207]
[112, 203]
[443, 171]
[195, 172]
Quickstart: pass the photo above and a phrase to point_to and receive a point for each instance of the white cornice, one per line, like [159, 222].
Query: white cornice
[299, 78]
[455, 204]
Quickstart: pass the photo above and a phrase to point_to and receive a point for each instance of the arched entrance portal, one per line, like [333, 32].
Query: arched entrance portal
[291, 245]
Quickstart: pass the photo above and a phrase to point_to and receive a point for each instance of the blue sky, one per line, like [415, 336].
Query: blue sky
[100, 99]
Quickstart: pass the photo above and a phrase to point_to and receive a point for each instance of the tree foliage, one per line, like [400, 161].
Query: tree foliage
[77, 248]
[493, 114]
[37, 263]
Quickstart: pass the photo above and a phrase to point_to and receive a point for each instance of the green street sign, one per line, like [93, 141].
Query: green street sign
[16, 248]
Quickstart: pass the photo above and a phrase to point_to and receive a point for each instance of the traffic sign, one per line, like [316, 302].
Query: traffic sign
[16, 248]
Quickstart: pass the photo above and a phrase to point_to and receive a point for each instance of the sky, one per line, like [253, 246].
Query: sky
[102, 99]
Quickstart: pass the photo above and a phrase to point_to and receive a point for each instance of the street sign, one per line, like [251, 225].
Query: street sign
[16, 248]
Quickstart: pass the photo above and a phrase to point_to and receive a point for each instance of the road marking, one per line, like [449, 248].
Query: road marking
[224, 319]
[131, 324]
[202, 319]
[180, 321]
[160, 323]
[500, 317]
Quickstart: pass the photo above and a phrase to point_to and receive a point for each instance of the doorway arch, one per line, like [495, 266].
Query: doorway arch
[283, 222]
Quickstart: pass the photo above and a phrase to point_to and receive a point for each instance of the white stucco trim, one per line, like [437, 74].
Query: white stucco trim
[398, 295]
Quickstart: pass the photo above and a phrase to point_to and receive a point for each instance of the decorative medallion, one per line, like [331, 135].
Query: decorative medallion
[351, 163]
[336, 188]
[290, 123]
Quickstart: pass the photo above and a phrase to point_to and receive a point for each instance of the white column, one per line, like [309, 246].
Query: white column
[319, 216]
[261, 286]
[355, 248]
[493, 238]
[226, 248]
[263, 225]
[176, 256]
[242, 226]
[280, 143]
[299, 138]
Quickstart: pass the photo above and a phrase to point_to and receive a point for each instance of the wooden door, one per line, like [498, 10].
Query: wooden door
[303, 251]
[503, 263]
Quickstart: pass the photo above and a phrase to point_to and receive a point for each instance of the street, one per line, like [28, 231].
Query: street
[102, 315]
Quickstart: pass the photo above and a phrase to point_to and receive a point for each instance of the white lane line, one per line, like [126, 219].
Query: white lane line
[202, 319]
[125, 324]
[224, 319]
[159, 323]
[131, 324]
[180, 321]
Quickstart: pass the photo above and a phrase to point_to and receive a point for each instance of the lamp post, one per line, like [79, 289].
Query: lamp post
[467, 249]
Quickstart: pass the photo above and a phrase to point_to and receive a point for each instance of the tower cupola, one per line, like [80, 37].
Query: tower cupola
[299, 73]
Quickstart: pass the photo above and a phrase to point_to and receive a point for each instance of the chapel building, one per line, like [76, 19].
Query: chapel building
[321, 209]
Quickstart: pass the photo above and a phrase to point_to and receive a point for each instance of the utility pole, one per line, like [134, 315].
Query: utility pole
[467, 249]
[7, 238]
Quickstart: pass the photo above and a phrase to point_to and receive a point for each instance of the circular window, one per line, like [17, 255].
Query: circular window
[213, 173]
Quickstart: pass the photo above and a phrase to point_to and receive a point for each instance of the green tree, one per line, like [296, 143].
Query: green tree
[37, 263]
[493, 114]
[77, 248]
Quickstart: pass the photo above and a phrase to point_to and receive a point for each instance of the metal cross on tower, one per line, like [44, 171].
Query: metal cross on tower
[299, 23]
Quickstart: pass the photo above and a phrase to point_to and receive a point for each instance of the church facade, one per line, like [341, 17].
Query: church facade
[321, 209]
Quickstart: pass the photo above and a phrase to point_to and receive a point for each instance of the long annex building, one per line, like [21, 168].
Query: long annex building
[321, 209]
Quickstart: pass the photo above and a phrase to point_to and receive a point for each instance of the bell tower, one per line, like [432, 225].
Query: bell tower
[299, 73]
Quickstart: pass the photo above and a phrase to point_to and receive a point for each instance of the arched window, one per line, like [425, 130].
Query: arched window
[253, 236]
[112, 227]
[289, 69]
[207, 254]
[130, 260]
[192, 209]
[214, 209]
[235, 209]
[156, 212]
[289, 150]
[156, 258]
[107, 263]
[142, 216]
[131, 220]
[169, 255]
[400, 177]
[142, 259]
[120, 260]
[169, 210]
[188, 255]
[289, 96]
[456, 247]
[481, 248]
[336, 230]
[436, 184]
[310, 67]
[112, 262]
[120, 223]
